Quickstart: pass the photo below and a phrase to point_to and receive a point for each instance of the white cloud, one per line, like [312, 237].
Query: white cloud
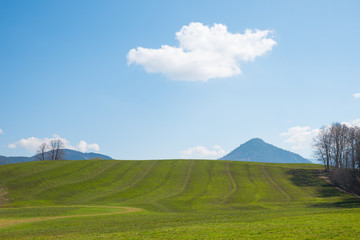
[85, 147]
[32, 143]
[356, 95]
[1, 131]
[354, 123]
[300, 137]
[203, 152]
[204, 52]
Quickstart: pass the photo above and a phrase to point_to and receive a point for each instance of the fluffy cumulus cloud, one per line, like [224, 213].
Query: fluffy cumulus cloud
[356, 95]
[300, 137]
[32, 143]
[203, 152]
[203, 53]
[85, 147]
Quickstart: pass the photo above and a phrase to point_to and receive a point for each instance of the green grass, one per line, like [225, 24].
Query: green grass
[181, 199]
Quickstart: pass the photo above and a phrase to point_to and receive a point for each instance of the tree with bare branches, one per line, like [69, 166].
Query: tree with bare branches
[42, 152]
[338, 147]
[56, 150]
[322, 147]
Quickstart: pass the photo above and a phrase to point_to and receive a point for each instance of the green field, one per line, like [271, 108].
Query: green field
[172, 199]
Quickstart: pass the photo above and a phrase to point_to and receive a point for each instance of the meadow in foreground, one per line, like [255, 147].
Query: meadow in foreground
[172, 199]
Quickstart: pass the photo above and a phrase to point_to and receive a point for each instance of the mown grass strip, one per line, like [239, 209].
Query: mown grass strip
[6, 223]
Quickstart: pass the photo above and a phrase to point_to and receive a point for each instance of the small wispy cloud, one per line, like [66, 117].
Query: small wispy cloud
[204, 52]
[203, 152]
[354, 123]
[356, 95]
[32, 143]
[85, 147]
[1, 131]
[300, 137]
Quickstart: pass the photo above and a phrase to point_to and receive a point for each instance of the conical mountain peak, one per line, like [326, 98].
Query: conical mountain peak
[255, 140]
[256, 150]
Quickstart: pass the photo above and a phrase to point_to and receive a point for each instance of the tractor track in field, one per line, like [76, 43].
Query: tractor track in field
[10, 222]
[233, 185]
[133, 183]
[250, 177]
[69, 173]
[44, 185]
[114, 189]
[185, 180]
[151, 189]
[42, 181]
[139, 178]
[276, 185]
[178, 190]
[99, 171]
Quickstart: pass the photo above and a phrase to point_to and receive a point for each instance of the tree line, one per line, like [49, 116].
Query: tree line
[337, 146]
[54, 150]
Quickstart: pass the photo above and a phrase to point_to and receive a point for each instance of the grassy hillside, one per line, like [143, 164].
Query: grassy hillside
[169, 199]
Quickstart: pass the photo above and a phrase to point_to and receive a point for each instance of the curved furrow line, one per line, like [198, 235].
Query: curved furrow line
[43, 182]
[150, 191]
[114, 189]
[74, 169]
[185, 180]
[157, 200]
[98, 172]
[276, 185]
[197, 195]
[135, 182]
[256, 176]
[249, 173]
[140, 177]
[11, 168]
[29, 193]
[233, 185]
[49, 187]
[250, 177]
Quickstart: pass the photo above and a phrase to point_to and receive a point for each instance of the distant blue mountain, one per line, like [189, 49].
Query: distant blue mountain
[7, 160]
[76, 155]
[69, 155]
[256, 150]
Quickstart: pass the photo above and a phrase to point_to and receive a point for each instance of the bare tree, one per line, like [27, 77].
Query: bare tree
[338, 147]
[42, 152]
[322, 144]
[56, 150]
[357, 148]
[352, 140]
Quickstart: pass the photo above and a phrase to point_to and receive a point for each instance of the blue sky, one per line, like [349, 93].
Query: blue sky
[65, 73]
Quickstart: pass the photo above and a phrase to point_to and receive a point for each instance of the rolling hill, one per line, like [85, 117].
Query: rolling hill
[172, 199]
[256, 150]
[163, 185]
